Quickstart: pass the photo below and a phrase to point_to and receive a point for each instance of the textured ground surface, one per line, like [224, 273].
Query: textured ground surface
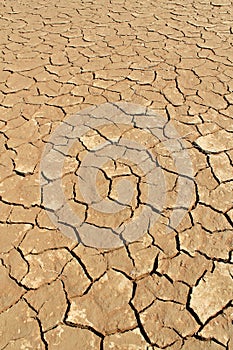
[173, 292]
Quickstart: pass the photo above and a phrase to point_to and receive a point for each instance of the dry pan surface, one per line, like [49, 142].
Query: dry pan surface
[170, 291]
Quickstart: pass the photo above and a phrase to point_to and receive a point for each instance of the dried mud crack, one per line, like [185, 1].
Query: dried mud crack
[167, 289]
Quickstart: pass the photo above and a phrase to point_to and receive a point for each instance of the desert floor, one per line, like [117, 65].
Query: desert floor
[172, 286]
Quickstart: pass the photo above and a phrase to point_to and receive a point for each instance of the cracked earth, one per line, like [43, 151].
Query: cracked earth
[165, 290]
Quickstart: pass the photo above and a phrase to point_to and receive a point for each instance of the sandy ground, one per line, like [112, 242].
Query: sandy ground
[164, 290]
